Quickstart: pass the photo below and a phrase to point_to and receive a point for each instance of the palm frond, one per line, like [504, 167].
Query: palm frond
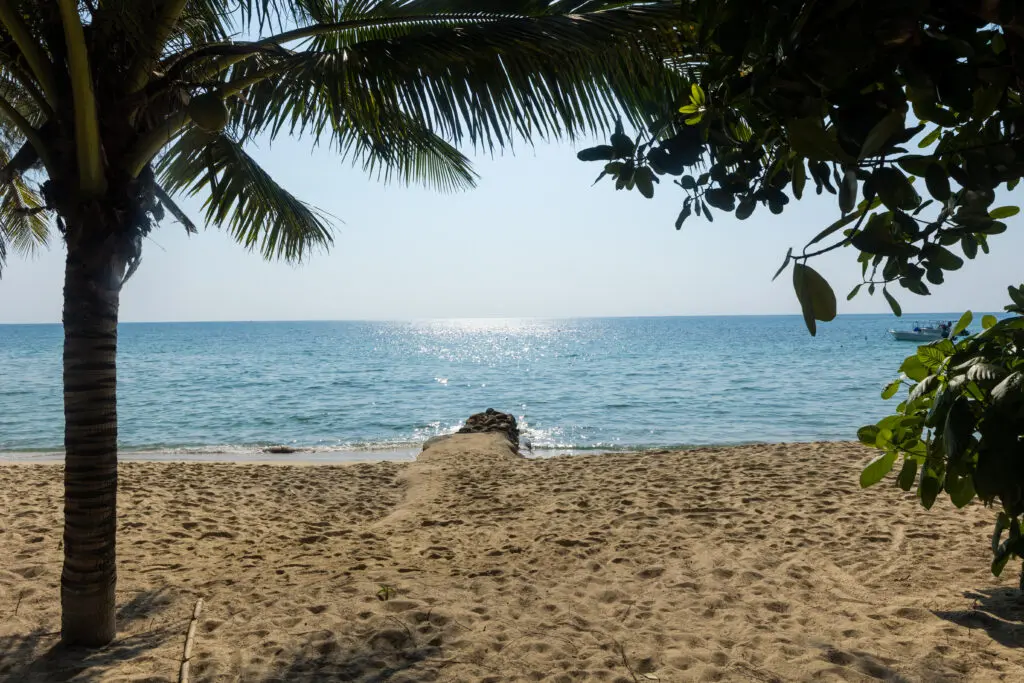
[390, 144]
[242, 197]
[24, 220]
[179, 214]
[552, 75]
[409, 155]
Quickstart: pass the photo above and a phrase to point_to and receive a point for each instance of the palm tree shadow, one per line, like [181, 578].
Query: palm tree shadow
[39, 656]
[145, 605]
[997, 611]
[322, 660]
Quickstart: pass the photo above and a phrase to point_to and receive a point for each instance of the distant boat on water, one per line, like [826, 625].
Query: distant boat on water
[926, 333]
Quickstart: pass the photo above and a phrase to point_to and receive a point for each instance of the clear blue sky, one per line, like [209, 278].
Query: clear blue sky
[534, 239]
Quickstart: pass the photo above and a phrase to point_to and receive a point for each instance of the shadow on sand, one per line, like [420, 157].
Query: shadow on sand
[320, 661]
[997, 611]
[39, 656]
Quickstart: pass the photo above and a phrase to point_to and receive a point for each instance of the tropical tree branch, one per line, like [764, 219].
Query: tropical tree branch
[242, 197]
[32, 136]
[37, 60]
[163, 24]
[150, 144]
[19, 163]
[175, 210]
[241, 50]
[234, 87]
[26, 82]
[92, 180]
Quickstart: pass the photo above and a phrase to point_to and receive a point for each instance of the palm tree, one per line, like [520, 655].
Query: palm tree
[110, 108]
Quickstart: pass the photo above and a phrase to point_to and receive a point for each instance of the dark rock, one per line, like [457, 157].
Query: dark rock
[493, 421]
[280, 450]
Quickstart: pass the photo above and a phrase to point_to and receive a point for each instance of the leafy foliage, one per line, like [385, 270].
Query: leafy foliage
[959, 429]
[778, 106]
[242, 196]
[910, 114]
[94, 95]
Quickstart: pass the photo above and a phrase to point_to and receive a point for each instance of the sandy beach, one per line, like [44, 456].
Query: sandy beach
[755, 563]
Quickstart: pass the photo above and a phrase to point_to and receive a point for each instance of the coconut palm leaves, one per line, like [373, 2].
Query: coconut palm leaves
[392, 85]
[242, 197]
[24, 223]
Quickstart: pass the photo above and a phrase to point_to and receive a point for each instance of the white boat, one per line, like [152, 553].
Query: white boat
[925, 333]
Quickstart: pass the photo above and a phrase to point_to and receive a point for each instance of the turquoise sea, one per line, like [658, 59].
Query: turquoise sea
[226, 390]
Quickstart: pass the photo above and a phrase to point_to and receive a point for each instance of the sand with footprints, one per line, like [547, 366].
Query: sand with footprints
[755, 563]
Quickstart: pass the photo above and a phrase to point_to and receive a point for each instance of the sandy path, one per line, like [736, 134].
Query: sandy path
[759, 563]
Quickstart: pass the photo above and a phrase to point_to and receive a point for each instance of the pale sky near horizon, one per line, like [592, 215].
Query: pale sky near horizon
[533, 240]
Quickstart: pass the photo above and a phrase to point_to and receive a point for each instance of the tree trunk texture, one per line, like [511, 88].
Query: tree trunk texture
[91, 296]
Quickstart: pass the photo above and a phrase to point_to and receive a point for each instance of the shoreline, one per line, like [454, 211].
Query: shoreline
[405, 454]
[300, 457]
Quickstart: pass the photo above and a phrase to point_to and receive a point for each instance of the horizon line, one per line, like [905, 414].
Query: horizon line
[500, 317]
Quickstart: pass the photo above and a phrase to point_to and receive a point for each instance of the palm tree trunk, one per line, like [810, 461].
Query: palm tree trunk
[91, 295]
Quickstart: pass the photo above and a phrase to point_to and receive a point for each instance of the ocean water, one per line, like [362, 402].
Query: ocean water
[213, 390]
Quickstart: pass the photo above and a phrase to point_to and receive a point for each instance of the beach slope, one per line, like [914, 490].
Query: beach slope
[755, 563]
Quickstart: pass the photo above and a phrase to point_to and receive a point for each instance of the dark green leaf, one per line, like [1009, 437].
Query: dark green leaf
[930, 139]
[940, 407]
[895, 189]
[907, 475]
[599, 153]
[1002, 556]
[914, 285]
[817, 300]
[969, 245]
[929, 488]
[1012, 385]
[937, 182]
[1004, 212]
[906, 224]
[1002, 523]
[867, 435]
[915, 164]
[924, 385]
[807, 138]
[799, 172]
[942, 257]
[720, 199]
[623, 145]
[891, 390]
[985, 372]
[877, 469]
[931, 356]
[961, 324]
[789, 255]
[683, 215]
[956, 434]
[962, 493]
[707, 211]
[1016, 295]
[893, 304]
[644, 179]
[745, 208]
[853, 292]
[835, 227]
[688, 183]
[924, 205]
[881, 133]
